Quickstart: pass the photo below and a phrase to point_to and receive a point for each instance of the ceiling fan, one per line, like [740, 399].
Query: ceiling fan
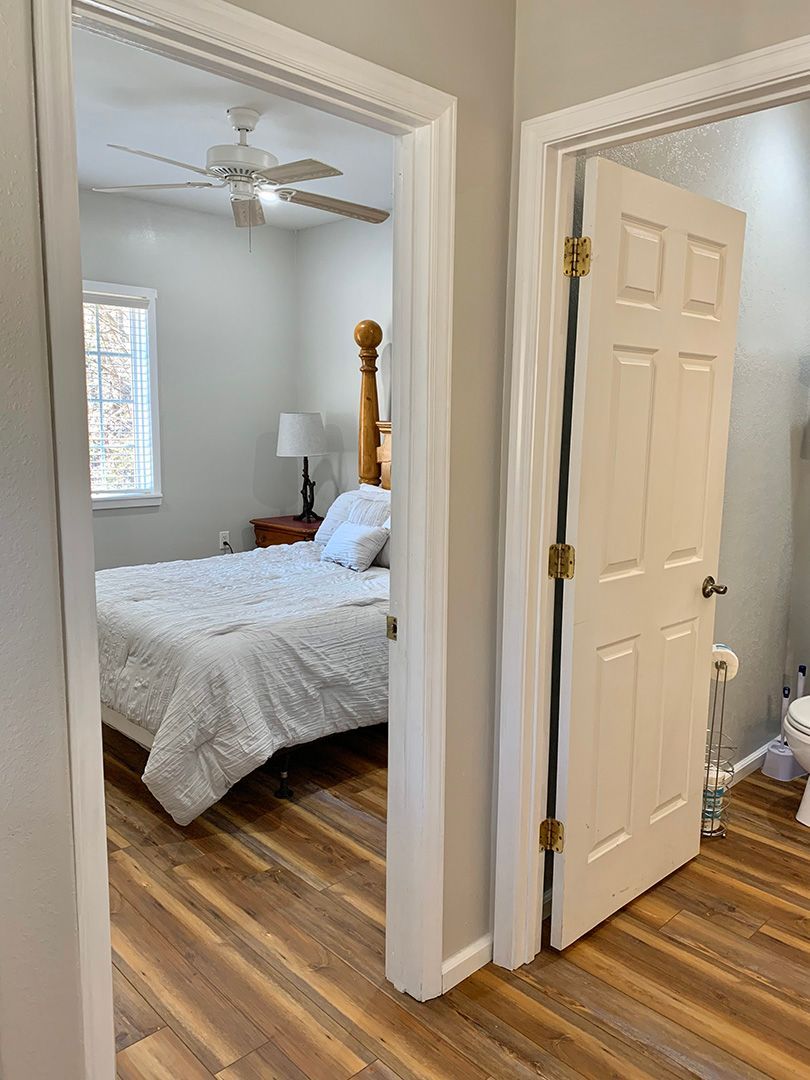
[247, 171]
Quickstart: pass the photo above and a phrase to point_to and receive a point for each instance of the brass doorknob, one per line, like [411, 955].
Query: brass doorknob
[710, 587]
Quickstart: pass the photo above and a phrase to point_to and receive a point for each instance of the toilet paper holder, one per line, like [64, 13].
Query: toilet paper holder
[719, 774]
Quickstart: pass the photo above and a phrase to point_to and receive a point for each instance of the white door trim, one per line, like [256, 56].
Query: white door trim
[773, 76]
[247, 47]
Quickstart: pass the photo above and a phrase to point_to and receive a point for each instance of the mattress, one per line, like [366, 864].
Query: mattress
[229, 659]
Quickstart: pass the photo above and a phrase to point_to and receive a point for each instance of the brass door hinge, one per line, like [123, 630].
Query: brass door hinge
[577, 256]
[561, 561]
[552, 835]
[391, 627]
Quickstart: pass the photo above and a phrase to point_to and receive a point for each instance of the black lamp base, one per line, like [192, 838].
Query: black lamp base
[307, 498]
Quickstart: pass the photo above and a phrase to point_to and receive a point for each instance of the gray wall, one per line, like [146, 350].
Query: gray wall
[226, 368]
[799, 629]
[568, 53]
[241, 336]
[343, 275]
[40, 1020]
[760, 164]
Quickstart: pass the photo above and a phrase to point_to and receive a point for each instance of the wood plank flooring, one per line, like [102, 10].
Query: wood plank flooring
[249, 946]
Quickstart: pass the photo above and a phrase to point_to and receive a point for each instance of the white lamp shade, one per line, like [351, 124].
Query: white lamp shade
[300, 434]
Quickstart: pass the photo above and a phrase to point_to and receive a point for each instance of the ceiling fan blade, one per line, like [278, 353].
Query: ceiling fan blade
[247, 212]
[159, 157]
[160, 187]
[334, 206]
[296, 171]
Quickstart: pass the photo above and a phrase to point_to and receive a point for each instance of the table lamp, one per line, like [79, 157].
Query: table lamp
[301, 434]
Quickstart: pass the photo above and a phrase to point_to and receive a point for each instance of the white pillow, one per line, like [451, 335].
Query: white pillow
[354, 545]
[337, 513]
[384, 555]
[375, 490]
[369, 511]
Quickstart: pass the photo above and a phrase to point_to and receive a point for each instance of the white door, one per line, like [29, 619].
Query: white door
[654, 359]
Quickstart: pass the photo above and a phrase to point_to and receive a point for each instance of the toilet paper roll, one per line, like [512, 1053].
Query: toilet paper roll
[723, 652]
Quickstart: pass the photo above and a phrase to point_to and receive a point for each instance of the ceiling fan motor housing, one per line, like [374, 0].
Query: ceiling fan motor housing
[234, 161]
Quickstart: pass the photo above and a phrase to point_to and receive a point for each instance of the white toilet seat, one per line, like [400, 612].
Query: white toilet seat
[799, 734]
[798, 715]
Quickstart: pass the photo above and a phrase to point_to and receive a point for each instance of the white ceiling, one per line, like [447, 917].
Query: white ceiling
[149, 102]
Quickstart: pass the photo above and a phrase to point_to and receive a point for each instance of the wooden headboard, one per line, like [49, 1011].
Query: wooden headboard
[374, 435]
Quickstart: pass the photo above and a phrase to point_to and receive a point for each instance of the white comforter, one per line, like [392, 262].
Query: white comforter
[226, 660]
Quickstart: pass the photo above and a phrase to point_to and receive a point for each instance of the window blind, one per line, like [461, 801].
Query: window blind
[118, 356]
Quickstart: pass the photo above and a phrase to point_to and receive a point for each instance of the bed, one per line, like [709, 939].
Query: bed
[217, 664]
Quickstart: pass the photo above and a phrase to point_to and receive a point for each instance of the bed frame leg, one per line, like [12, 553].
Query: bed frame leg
[284, 789]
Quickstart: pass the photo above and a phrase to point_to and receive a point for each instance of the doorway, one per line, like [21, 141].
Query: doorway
[252, 50]
[545, 213]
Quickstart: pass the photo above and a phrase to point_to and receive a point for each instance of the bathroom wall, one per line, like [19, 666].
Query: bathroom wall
[799, 637]
[760, 164]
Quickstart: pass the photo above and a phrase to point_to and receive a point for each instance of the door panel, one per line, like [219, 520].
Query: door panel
[626, 470]
[691, 452]
[674, 703]
[657, 324]
[616, 693]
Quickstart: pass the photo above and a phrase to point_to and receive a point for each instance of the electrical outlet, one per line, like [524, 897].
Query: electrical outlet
[224, 538]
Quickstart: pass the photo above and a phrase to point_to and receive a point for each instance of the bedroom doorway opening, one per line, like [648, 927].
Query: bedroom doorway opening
[242, 623]
[131, 398]
[663, 240]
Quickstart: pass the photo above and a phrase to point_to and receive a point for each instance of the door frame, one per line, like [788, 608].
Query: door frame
[747, 83]
[252, 49]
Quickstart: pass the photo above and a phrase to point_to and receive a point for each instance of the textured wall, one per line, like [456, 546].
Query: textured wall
[760, 164]
[40, 1023]
[226, 368]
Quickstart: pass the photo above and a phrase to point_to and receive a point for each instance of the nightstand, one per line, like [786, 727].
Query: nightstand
[282, 530]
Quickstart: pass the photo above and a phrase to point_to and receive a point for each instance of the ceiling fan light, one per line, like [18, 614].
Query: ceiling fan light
[268, 195]
[246, 212]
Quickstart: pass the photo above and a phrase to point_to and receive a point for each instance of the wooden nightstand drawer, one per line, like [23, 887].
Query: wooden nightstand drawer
[282, 530]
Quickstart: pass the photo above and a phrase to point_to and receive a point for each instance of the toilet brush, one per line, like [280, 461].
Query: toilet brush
[780, 764]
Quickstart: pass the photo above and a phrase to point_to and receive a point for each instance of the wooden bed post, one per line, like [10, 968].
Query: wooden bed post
[368, 336]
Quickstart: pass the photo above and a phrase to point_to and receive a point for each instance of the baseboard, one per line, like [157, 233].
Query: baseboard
[457, 967]
[751, 762]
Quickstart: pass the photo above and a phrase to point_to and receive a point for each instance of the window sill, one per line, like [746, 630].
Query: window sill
[125, 502]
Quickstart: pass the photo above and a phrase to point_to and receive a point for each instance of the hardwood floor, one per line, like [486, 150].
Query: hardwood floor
[249, 946]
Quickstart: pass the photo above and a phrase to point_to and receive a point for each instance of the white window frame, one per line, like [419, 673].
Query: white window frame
[109, 501]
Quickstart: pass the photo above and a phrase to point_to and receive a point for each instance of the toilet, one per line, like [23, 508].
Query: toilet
[797, 735]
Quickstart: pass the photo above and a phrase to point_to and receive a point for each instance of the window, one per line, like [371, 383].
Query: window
[121, 365]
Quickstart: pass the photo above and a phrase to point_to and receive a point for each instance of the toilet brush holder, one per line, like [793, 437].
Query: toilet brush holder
[780, 764]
